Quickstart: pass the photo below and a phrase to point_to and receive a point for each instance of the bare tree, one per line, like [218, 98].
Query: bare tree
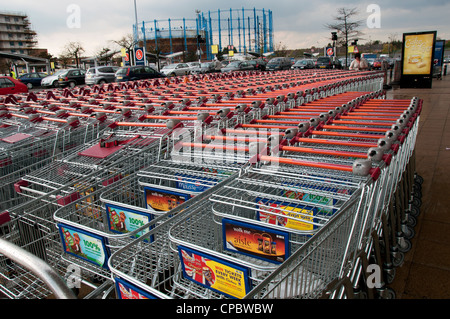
[128, 42]
[391, 44]
[281, 50]
[346, 27]
[105, 55]
[74, 50]
[64, 59]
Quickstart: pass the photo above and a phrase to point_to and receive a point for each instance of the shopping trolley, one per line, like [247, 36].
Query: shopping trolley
[397, 162]
[196, 290]
[334, 154]
[30, 227]
[195, 239]
[109, 213]
[120, 213]
[102, 161]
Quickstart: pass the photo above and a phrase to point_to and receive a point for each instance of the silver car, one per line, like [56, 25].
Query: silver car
[52, 80]
[205, 67]
[176, 69]
[101, 75]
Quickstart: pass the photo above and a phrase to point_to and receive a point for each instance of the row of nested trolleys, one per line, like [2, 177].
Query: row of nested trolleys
[279, 186]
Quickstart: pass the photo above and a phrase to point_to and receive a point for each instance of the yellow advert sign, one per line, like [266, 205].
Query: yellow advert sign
[418, 53]
[214, 274]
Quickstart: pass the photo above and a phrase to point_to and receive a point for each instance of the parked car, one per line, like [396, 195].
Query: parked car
[237, 66]
[342, 61]
[279, 63]
[337, 64]
[71, 78]
[137, 72]
[193, 65]
[224, 63]
[370, 62]
[204, 67]
[8, 85]
[52, 80]
[32, 79]
[324, 63]
[390, 62]
[176, 69]
[101, 75]
[258, 64]
[376, 65]
[303, 65]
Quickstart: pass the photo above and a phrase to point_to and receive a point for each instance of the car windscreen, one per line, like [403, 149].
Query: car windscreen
[58, 72]
[106, 69]
[234, 64]
[122, 71]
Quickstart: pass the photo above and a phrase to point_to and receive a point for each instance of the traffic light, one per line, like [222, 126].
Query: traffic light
[355, 42]
[334, 36]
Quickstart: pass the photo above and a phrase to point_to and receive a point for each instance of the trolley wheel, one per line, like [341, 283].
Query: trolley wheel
[417, 186]
[408, 232]
[361, 295]
[415, 211]
[416, 202]
[416, 193]
[389, 276]
[418, 179]
[404, 245]
[411, 222]
[397, 259]
[388, 293]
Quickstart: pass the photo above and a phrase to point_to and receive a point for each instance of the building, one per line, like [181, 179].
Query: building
[16, 38]
[16, 35]
[247, 30]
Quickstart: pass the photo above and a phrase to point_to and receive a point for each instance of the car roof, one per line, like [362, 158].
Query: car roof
[103, 66]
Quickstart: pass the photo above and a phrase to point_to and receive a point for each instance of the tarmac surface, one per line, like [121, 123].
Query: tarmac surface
[425, 273]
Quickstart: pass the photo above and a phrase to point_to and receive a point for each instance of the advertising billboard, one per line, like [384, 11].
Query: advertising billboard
[418, 59]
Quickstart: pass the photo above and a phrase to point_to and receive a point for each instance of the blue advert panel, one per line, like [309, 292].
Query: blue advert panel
[123, 220]
[84, 245]
[256, 241]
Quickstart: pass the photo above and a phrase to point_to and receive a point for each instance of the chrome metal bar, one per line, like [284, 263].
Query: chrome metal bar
[39, 267]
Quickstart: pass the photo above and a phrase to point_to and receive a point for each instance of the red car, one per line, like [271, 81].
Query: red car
[376, 65]
[8, 85]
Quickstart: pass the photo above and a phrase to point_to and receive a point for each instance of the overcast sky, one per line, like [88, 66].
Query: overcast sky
[296, 24]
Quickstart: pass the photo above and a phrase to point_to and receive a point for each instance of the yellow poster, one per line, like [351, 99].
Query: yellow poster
[215, 274]
[418, 53]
